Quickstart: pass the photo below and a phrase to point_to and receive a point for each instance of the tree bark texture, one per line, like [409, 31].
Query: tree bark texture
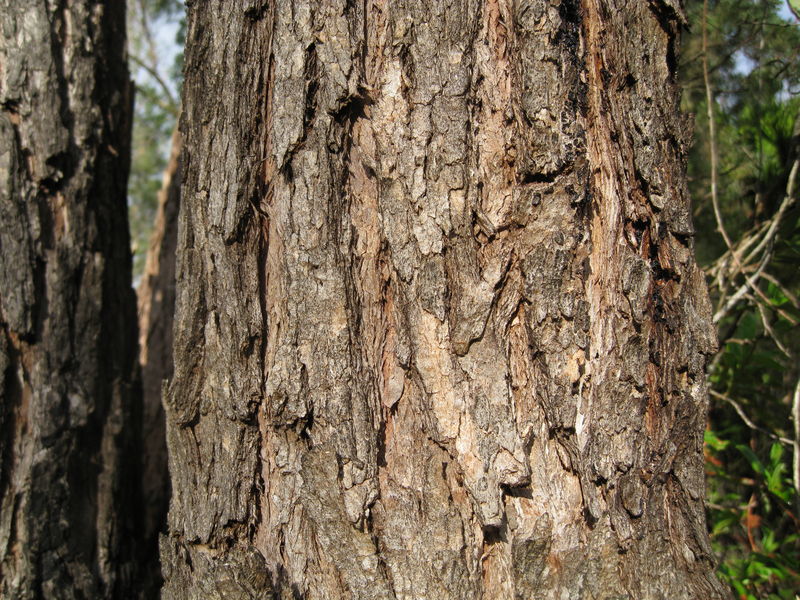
[439, 331]
[156, 306]
[68, 416]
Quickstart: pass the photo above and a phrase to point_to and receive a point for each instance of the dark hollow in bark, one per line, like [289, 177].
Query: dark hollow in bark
[439, 328]
[69, 417]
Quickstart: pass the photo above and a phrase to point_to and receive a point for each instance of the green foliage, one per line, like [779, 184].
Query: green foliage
[755, 536]
[752, 51]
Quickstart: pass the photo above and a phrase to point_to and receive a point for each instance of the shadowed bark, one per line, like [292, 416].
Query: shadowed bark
[69, 416]
[156, 305]
[439, 330]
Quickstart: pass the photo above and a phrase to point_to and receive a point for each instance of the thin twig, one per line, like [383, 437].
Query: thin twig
[796, 442]
[749, 284]
[172, 104]
[144, 22]
[786, 292]
[749, 422]
[767, 242]
[786, 204]
[766, 245]
[712, 133]
[770, 331]
[794, 10]
[721, 264]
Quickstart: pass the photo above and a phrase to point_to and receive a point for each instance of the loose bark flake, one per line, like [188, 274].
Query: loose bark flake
[68, 417]
[440, 333]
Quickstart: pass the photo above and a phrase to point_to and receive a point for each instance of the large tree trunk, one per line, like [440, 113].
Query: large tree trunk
[156, 306]
[439, 332]
[68, 420]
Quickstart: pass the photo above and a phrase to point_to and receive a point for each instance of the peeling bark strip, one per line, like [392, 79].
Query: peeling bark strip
[440, 333]
[68, 424]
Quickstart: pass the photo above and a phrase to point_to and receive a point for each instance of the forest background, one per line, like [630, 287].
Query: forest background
[740, 73]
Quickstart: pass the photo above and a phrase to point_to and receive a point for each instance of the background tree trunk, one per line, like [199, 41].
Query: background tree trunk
[439, 331]
[156, 306]
[69, 422]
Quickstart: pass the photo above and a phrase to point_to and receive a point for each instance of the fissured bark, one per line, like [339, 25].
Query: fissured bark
[439, 331]
[69, 421]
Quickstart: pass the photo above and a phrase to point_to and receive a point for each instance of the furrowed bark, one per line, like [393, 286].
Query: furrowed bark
[69, 421]
[439, 331]
[156, 306]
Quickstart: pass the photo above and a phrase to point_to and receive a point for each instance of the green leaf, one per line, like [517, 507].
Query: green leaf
[751, 457]
[748, 327]
[724, 524]
[714, 441]
[776, 453]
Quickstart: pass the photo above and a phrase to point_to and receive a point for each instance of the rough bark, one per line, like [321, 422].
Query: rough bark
[439, 330]
[156, 306]
[68, 416]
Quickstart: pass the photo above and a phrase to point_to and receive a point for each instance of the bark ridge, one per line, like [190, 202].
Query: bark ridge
[439, 331]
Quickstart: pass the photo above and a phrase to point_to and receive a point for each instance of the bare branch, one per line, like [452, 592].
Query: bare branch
[172, 104]
[766, 245]
[796, 443]
[749, 284]
[786, 204]
[712, 134]
[770, 331]
[786, 292]
[748, 421]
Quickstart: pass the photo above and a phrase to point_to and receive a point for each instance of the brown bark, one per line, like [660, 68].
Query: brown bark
[439, 330]
[69, 421]
[156, 305]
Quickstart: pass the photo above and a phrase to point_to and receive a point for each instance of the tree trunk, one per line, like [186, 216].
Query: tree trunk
[69, 422]
[439, 331]
[156, 306]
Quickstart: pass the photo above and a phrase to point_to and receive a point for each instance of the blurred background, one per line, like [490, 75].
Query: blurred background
[156, 31]
[741, 80]
[740, 72]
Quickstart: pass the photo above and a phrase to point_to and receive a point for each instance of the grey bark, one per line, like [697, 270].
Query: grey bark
[69, 421]
[439, 329]
[156, 306]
